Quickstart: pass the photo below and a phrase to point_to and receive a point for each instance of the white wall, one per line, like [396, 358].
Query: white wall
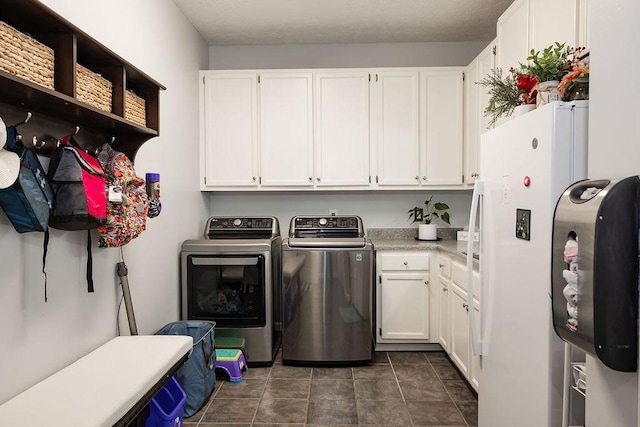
[614, 152]
[377, 209]
[344, 55]
[38, 338]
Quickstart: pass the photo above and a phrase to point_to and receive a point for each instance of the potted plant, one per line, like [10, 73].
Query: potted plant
[426, 215]
[505, 94]
[549, 66]
[575, 84]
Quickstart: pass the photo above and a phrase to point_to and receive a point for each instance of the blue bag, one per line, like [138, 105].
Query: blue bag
[28, 201]
[197, 376]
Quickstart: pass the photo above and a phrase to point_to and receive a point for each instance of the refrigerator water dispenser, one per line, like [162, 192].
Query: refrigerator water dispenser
[594, 269]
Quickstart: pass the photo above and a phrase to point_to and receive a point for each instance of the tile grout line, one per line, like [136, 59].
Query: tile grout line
[400, 388]
[355, 397]
[264, 389]
[209, 401]
[306, 417]
[450, 396]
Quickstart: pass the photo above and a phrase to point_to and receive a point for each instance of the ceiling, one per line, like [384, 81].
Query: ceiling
[268, 22]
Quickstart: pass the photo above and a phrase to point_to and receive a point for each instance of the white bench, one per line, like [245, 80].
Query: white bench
[107, 387]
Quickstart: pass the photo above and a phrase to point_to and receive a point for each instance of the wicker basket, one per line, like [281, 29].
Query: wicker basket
[134, 109]
[93, 89]
[25, 57]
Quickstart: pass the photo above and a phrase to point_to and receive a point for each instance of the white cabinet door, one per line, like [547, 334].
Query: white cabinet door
[443, 316]
[286, 129]
[471, 122]
[459, 329]
[477, 99]
[404, 307]
[442, 126]
[554, 21]
[342, 129]
[513, 36]
[583, 23]
[486, 61]
[229, 134]
[395, 101]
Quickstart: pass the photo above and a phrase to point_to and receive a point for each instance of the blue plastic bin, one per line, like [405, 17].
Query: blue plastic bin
[166, 409]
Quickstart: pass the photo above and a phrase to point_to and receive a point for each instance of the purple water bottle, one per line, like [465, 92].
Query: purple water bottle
[153, 191]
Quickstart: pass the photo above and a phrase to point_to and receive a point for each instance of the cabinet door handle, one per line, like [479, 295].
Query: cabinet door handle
[417, 178]
[254, 179]
[465, 306]
[405, 263]
[441, 265]
[318, 179]
[424, 178]
[426, 282]
[310, 179]
[444, 289]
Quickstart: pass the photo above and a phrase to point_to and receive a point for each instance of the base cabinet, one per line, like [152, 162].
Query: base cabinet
[402, 297]
[459, 329]
[460, 346]
[444, 279]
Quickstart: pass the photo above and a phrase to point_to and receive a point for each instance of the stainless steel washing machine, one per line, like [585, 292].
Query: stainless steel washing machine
[327, 279]
[232, 275]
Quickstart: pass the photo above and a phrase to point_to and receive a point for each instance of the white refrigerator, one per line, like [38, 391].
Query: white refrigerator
[525, 165]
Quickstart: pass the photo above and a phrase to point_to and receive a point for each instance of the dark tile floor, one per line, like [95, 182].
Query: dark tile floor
[399, 388]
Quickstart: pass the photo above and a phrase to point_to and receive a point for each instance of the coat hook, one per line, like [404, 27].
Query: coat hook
[25, 120]
[77, 130]
[37, 144]
[113, 139]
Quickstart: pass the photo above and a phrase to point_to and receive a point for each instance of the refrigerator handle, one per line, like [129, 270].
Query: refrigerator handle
[476, 343]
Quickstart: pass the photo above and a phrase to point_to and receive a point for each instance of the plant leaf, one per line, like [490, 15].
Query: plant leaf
[441, 206]
[445, 217]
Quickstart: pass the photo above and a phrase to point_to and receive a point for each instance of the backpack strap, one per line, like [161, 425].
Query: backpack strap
[12, 138]
[45, 244]
[89, 263]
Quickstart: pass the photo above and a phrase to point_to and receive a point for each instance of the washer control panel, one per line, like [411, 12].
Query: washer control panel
[241, 227]
[319, 226]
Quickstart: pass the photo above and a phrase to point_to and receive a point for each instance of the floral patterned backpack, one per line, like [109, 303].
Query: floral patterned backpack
[127, 204]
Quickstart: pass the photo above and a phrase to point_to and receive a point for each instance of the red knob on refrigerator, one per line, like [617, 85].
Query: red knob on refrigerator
[527, 181]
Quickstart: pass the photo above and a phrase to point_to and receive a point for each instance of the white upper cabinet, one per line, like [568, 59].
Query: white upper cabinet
[513, 36]
[286, 129]
[342, 129]
[441, 126]
[476, 100]
[395, 112]
[486, 61]
[333, 129]
[554, 21]
[583, 23]
[537, 24]
[229, 137]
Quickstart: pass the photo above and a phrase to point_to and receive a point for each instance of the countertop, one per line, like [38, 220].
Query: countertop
[404, 239]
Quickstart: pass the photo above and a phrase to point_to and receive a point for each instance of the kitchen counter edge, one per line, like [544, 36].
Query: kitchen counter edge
[455, 248]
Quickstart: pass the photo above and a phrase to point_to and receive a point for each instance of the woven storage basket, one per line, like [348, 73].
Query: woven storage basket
[93, 89]
[25, 57]
[134, 109]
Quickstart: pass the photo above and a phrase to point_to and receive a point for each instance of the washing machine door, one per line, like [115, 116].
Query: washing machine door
[229, 289]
